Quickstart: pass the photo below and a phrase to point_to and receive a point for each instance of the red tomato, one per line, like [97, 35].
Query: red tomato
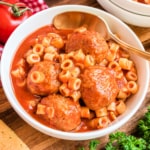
[1, 49]
[11, 1]
[8, 20]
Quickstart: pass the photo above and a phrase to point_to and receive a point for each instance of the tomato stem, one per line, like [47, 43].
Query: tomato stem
[5, 3]
[17, 10]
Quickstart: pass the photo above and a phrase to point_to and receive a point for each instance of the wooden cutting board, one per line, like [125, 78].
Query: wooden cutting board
[39, 141]
[36, 140]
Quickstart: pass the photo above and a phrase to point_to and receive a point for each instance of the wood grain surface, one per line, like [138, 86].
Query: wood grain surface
[39, 141]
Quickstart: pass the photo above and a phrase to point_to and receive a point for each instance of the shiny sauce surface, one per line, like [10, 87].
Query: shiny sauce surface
[95, 82]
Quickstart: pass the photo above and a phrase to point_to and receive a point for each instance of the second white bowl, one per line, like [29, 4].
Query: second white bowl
[131, 12]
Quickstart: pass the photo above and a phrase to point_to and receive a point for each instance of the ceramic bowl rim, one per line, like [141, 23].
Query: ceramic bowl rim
[133, 7]
[23, 114]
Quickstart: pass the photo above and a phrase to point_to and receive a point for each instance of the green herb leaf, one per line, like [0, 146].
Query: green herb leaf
[93, 144]
[121, 141]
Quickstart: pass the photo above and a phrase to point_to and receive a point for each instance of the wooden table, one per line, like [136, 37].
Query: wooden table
[38, 141]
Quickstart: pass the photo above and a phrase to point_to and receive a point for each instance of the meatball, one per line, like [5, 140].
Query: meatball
[43, 78]
[63, 113]
[99, 87]
[90, 42]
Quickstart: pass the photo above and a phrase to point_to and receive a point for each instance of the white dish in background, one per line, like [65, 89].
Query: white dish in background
[131, 12]
[44, 18]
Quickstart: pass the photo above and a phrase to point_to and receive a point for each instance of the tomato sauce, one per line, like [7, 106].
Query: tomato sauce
[142, 1]
[30, 101]
[22, 93]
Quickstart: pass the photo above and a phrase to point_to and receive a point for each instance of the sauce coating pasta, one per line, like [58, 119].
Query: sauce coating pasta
[143, 1]
[72, 80]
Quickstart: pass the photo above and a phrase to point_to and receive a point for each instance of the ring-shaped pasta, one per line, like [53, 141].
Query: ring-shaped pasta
[85, 112]
[75, 72]
[64, 90]
[49, 56]
[89, 61]
[41, 109]
[16, 73]
[62, 57]
[46, 41]
[21, 62]
[144, 1]
[70, 55]
[111, 106]
[56, 40]
[125, 63]
[147, 1]
[114, 65]
[122, 95]
[79, 56]
[19, 72]
[120, 107]
[21, 83]
[124, 54]
[101, 112]
[32, 103]
[64, 76]
[74, 83]
[29, 52]
[50, 112]
[112, 115]
[75, 95]
[119, 74]
[111, 56]
[104, 63]
[132, 87]
[67, 64]
[98, 123]
[50, 49]
[80, 65]
[114, 47]
[37, 77]
[130, 75]
[33, 58]
[38, 49]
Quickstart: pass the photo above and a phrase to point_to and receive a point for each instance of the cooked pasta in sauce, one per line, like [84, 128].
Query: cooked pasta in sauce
[143, 1]
[72, 80]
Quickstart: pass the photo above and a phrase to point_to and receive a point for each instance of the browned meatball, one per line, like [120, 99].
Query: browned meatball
[99, 87]
[43, 78]
[90, 42]
[63, 113]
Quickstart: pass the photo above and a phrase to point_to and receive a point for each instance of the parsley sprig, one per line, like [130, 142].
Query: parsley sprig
[92, 145]
[122, 141]
[140, 140]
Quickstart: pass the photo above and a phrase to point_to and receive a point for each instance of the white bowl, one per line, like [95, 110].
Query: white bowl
[129, 11]
[44, 18]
